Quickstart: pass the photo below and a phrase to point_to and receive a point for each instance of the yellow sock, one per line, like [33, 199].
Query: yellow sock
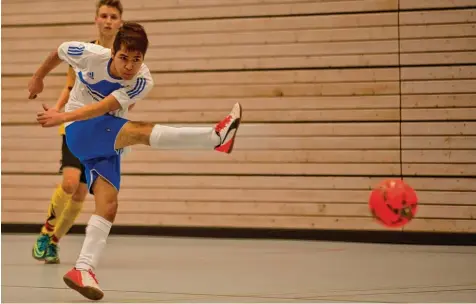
[58, 201]
[67, 218]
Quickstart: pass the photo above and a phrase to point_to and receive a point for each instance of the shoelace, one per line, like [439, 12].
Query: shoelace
[93, 276]
[223, 123]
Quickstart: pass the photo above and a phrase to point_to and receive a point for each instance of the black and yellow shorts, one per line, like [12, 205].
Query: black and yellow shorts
[69, 160]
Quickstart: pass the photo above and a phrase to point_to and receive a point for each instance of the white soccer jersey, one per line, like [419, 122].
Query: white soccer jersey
[91, 62]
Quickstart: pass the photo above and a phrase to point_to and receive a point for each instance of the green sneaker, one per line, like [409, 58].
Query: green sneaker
[51, 256]
[39, 249]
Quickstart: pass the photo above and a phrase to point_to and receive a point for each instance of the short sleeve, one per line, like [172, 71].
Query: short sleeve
[74, 53]
[135, 92]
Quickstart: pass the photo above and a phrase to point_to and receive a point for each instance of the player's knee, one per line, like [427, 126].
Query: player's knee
[80, 194]
[111, 210]
[70, 185]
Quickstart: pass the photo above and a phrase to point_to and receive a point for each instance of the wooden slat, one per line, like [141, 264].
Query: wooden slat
[210, 39]
[258, 116]
[411, 4]
[84, 6]
[245, 208]
[441, 225]
[214, 208]
[438, 142]
[247, 130]
[332, 196]
[438, 58]
[225, 182]
[251, 182]
[237, 221]
[237, 78]
[16, 103]
[442, 184]
[438, 100]
[445, 72]
[435, 31]
[437, 17]
[438, 128]
[259, 143]
[258, 24]
[440, 169]
[437, 44]
[262, 90]
[439, 114]
[439, 86]
[307, 61]
[391, 169]
[247, 157]
[218, 195]
[439, 156]
[212, 12]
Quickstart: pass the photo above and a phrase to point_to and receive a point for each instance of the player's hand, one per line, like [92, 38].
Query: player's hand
[49, 117]
[35, 87]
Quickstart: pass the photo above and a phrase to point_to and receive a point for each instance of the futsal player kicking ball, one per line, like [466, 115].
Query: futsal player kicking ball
[109, 81]
[68, 197]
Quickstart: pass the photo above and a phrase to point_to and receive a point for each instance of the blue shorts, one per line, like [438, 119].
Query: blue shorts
[92, 142]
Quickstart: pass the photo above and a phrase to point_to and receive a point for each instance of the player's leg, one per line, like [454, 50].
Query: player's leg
[221, 137]
[71, 171]
[66, 220]
[105, 180]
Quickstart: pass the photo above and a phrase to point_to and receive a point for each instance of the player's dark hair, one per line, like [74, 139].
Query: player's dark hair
[112, 3]
[133, 37]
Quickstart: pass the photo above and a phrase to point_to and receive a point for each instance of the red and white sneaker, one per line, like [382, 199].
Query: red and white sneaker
[84, 282]
[227, 128]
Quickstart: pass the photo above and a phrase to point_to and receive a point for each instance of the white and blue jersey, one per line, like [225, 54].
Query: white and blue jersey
[94, 82]
[92, 141]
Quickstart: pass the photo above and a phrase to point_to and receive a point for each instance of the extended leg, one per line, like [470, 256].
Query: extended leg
[221, 137]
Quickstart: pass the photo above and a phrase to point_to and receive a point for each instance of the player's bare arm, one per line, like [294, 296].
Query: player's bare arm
[51, 117]
[35, 86]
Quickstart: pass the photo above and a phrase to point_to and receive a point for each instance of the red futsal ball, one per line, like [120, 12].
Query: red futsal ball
[393, 203]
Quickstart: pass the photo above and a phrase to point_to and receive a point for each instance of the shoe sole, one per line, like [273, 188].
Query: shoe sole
[90, 293]
[52, 262]
[238, 122]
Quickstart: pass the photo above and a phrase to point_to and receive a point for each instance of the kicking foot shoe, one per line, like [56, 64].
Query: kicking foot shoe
[227, 128]
[39, 249]
[84, 282]
[51, 255]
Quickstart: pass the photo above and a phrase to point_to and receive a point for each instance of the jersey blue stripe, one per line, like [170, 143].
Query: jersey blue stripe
[75, 50]
[135, 87]
[140, 85]
[141, 88]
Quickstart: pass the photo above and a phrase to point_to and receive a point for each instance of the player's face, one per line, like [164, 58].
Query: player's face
[127, 63]
[108, 20]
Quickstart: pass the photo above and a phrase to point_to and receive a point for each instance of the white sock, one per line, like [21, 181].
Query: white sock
[97, 232]
[166, 137]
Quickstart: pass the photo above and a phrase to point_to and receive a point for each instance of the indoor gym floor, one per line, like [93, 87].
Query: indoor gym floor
[158, 269]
